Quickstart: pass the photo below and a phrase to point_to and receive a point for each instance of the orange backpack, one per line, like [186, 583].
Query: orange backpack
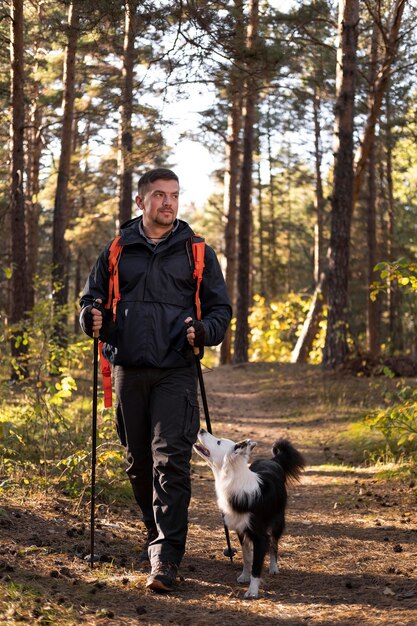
[198, 250]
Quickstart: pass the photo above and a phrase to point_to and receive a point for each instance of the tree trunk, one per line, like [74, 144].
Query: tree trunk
[372, 306]
[310, 327]
[17, 200]
[336, 347]
[243, 277]
[33, 206]
[288, 271]
[61, 212]
[126, 110]
[273, 272]
[379, 88]
[261, 226]
[78, 285]
[33, 158]
[394, 294]
[230, 206]
[318, 195]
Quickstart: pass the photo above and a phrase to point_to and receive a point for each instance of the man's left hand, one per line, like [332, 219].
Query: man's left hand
[195, 332]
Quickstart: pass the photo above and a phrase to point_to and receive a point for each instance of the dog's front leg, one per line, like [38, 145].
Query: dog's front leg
[260, 544]
[246, 544]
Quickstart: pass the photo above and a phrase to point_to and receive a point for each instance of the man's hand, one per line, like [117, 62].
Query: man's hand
[93, 318]
[195, 332]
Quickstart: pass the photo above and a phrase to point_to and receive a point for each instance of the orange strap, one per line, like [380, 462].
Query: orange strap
[106, 376]
[113, 298]
[198, 255]
[114, 291]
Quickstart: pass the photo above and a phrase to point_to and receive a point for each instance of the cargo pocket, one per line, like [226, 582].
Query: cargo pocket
[192, 417]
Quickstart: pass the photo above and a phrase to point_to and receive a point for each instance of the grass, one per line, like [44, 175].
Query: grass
[26, 603]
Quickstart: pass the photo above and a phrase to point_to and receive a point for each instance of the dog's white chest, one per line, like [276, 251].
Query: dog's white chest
[236, 485]
[237, 521]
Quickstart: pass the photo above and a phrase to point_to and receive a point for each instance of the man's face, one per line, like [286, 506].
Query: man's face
[159, 204]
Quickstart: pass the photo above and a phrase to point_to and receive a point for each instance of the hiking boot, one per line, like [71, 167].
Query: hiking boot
[143, 560]
[163, 577]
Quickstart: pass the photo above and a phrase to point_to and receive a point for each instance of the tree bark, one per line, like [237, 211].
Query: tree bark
[318, 195]
[379, 89]
[231, 176]
[33, 159]
[61, 212]
[261, 226]
[310, 327]
[17, 200]
[273, 273]
[126, 110]
[245, 217]
[372, 306]
[336, 346]
[394, 294]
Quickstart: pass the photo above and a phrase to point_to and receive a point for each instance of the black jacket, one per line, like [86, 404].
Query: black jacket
[157, 294]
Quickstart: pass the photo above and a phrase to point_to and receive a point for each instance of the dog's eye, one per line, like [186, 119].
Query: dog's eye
[218, 443]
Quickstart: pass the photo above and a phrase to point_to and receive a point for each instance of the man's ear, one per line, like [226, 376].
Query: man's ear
[139, 202]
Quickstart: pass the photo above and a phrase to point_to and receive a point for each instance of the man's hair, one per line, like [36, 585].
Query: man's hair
[156, 174]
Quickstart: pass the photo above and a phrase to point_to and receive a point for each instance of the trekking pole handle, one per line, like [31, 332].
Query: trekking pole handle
[97, 304]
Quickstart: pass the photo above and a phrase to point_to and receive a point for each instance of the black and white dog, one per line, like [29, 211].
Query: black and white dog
[252, 497]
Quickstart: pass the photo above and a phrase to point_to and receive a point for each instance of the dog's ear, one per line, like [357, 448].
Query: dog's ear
[244, 447]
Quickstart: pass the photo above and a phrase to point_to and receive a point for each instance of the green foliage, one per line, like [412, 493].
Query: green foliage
[274, 327]
[397, 422]
[401, 272]
[367, 443]
[45, 416]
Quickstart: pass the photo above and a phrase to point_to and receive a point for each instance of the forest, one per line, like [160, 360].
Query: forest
[309, 118]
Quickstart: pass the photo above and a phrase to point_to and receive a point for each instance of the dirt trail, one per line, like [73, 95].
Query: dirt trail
[348, 555]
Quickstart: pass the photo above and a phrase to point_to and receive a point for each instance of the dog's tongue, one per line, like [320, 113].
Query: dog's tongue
[201, 449]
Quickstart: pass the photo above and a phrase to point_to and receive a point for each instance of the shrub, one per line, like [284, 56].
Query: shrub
[397, 422]
[274, 328]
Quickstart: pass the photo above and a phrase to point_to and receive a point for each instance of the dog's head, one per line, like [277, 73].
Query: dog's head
[217, 451]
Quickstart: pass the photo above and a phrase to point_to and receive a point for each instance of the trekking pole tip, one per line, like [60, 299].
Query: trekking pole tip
[95, 559]
[230, 553]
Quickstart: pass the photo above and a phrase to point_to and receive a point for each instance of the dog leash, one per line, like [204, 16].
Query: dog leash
[229, 551]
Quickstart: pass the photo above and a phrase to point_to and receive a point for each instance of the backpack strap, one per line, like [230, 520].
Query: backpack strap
[105, 376]
[198, 250]
[114, 291]
[115, 251]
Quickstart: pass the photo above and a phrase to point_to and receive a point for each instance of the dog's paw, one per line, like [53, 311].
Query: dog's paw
[244, 577]
[253, 590]
[273, 568]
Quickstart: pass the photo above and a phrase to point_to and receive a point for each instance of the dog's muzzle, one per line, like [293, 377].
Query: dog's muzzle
[200, 449]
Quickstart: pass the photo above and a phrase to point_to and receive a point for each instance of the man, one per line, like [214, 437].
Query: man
[154, 365]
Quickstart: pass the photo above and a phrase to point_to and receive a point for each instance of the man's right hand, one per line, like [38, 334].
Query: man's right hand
[93, 318]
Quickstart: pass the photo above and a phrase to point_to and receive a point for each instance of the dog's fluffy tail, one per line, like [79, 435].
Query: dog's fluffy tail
[291, 461]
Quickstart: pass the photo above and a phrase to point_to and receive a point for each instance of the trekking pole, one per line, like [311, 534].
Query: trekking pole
[92, 557]
[229, 551]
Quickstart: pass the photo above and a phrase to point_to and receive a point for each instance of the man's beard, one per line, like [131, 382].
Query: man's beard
[164, 220]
